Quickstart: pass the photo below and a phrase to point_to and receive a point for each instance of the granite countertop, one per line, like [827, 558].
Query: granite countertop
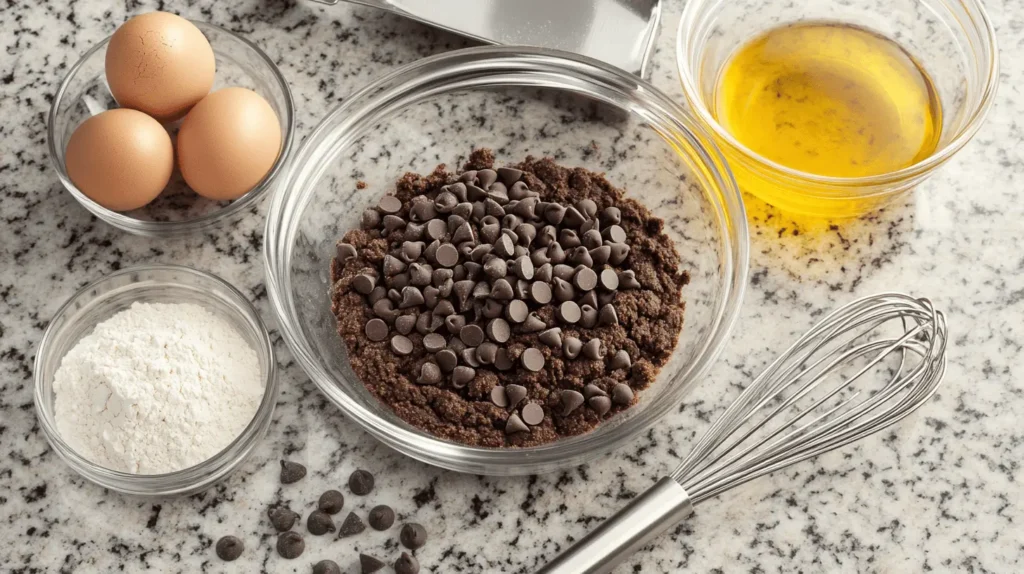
[940, 492]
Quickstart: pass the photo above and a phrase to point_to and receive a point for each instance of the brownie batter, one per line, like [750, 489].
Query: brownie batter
[650, 320]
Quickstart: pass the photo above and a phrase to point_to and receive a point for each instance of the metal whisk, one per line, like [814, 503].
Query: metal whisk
[816, 397]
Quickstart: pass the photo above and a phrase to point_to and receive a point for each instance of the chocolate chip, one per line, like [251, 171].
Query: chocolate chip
[498, 396]
[552, 337]
[627, 280]
[622, 394]
[486, 352]
[393, 223]
[534, 324]
[455, 323]
[568, 239]
[444, 308]
[523, 268]
[229, 548]
[539, 257]
[445, 290]
[434, 342]
[608, 280]
[571, 400]
[331, 502]
[462, 375]
[379, 292]
[445, 201]
[290, 545]
[381, 517]
[526, 233]
[413, 231]
[326, 567]
[591, 225]
[517, 311]
[368, 564]
[615, 234]
[585, 278]
[540, 292]
[514, 424]
[464, 209]
[430, 374]
[515, 394]
[385, 309]
[592, 239]
[618, 253]
[563, 272]
[404, 325]
[447, 255]
[502, 290]
[345, 251]
[533, 414]
[420, 274]
[601, 255]
[370, 219]
[581, 256]
[556, 254]
[600, 404]
[413, 536]
[588, 317]
[292, 471]
[495, 267]
[319, 523]
[351, 526]
[587, 207]
[532, 359]
[555, 214]
[509, 175]
[503, 246]
[498, 330]
[502, 361]
[447, 360]
[411, 297]
[422, 210]
[469, 357]
[472, 335]
[521, 289]
[568, 312]
[390, 204]
[593, 349]
[572, 346]
[562, 290]
[608, 315]
[611, 216]
[544, 273]
[376, 330]
[364, 283]
[591, 390]
[407, 564]
[573, 218]
[588, 298]
[518, 190]
[282, 517]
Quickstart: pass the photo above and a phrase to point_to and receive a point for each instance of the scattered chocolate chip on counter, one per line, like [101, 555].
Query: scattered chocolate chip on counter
[407, 564]
[331, 502]
[360, 482]
[319, 523]
[326, 567]
[290, 544]
[229, 548]
[413, 536]
[282, 517]
[478, 306]
[381, 517]
[351, 526]
[368, 564]
[291, 472]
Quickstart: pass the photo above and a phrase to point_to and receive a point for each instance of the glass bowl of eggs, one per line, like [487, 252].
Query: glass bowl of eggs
[169, 127]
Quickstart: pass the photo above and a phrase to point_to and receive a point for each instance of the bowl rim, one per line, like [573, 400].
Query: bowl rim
[426, 75]
[175, 228]
[832, 187]
[187, 480]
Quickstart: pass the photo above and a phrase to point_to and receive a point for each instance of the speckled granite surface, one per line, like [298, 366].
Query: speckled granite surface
[940, 493]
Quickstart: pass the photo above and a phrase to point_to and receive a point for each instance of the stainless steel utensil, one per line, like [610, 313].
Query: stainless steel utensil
[619, 32]
[812, 399]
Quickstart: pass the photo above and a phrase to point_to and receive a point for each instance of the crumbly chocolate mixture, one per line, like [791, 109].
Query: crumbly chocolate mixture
[650, 319]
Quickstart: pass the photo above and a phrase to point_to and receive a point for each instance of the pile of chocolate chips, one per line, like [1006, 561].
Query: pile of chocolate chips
[291, 545]
[479, 284]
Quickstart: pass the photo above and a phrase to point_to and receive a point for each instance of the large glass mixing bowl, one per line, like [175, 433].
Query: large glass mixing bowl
[518, 102]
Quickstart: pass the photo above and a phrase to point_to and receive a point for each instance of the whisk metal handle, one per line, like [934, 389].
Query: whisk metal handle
[648, 516]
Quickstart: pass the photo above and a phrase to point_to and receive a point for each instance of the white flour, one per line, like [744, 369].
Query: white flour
[156, 388]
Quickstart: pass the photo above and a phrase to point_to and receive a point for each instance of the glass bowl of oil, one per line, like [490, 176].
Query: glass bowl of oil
[833, 108]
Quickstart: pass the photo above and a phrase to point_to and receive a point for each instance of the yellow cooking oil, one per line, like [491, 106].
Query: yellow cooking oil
[828, 99]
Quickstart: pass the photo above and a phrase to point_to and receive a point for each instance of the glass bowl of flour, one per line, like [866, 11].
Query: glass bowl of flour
[155, 381]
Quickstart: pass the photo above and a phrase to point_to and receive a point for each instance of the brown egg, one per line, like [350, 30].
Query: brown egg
[122, 159]
[160, 64]
[228, 143]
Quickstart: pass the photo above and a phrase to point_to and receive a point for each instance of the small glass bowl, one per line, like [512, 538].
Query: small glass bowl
[103, 298]
[518, 102]
[953, 40]
[178, 210]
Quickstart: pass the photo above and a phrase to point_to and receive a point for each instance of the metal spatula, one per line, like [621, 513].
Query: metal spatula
[619, 32]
